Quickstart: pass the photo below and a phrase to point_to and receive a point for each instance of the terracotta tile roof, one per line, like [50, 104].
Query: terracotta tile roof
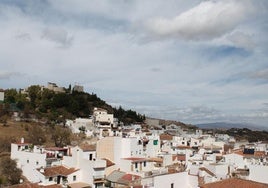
[128, 178]
[155, 159]
[235, 183]
[79, 185]
[256, 154]
[108, 162]
[135, 159]
[207, 171]
[34, 185]
[179, 157]
[22, 144]
[166, 137]
[259, 153]
[57, 170]
[52, 186]
[182, 147]
[55, 149]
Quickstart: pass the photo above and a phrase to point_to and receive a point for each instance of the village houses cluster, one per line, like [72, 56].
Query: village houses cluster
[148, 155]
[143, 156]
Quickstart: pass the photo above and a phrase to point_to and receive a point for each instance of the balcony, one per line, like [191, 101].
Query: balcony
[99, 179]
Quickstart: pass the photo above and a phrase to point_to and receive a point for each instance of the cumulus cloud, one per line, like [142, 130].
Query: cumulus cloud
[208, 20]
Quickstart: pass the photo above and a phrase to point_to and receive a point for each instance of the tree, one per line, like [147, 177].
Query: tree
[61, 136]
[37, 135]
[9, 171]
[10, 95]
[34, 94]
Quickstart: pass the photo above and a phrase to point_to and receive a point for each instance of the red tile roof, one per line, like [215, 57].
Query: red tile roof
[57, 170]
[166, 137]
[234, 183]
[207, 171]
[183, 147]
[135, 159]
[130, 177]
[256, 154]
[108, 162]
[179, 157]
[34, 185]
[55, 149]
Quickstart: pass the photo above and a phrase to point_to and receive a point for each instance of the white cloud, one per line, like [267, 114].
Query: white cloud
[208, 20]
[174, 79]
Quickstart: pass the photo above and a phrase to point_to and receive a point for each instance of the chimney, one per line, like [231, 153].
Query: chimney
[22, 140]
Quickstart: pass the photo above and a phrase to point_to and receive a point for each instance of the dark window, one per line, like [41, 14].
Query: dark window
[74, 178]
[144, 163]
[50, 179]
[90, 156]
[172, 185]
[136, 165]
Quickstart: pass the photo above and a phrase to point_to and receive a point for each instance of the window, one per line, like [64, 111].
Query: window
[90, 156]
[136, 165]
[37, 163]
[172, 185]
[27, 160]
[74, 178]
[50, 179]
[144, 163]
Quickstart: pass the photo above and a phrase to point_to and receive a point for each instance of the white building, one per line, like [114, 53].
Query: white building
[2, 96]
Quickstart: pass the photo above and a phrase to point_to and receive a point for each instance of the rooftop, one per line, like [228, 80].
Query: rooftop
[57, 170]
[234, 183]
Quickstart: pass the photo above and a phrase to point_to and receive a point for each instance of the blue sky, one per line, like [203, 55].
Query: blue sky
[193, 61]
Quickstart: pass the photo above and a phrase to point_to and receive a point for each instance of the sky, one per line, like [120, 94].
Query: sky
[192, 61]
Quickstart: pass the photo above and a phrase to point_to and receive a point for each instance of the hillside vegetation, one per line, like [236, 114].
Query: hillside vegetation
[56, 107]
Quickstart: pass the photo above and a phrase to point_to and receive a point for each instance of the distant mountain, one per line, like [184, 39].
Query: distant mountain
[228, 125]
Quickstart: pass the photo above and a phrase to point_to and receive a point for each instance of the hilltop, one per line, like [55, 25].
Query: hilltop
[55, 104]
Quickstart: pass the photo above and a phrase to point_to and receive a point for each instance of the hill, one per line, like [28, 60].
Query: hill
[55, 107]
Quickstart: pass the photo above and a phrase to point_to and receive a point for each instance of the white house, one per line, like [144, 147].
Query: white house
[175, 180]
[2, 96]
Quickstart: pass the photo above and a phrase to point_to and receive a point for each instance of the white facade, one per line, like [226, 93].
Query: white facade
[91, 169]
[2, 95]
[102, 119]
[176, 180]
